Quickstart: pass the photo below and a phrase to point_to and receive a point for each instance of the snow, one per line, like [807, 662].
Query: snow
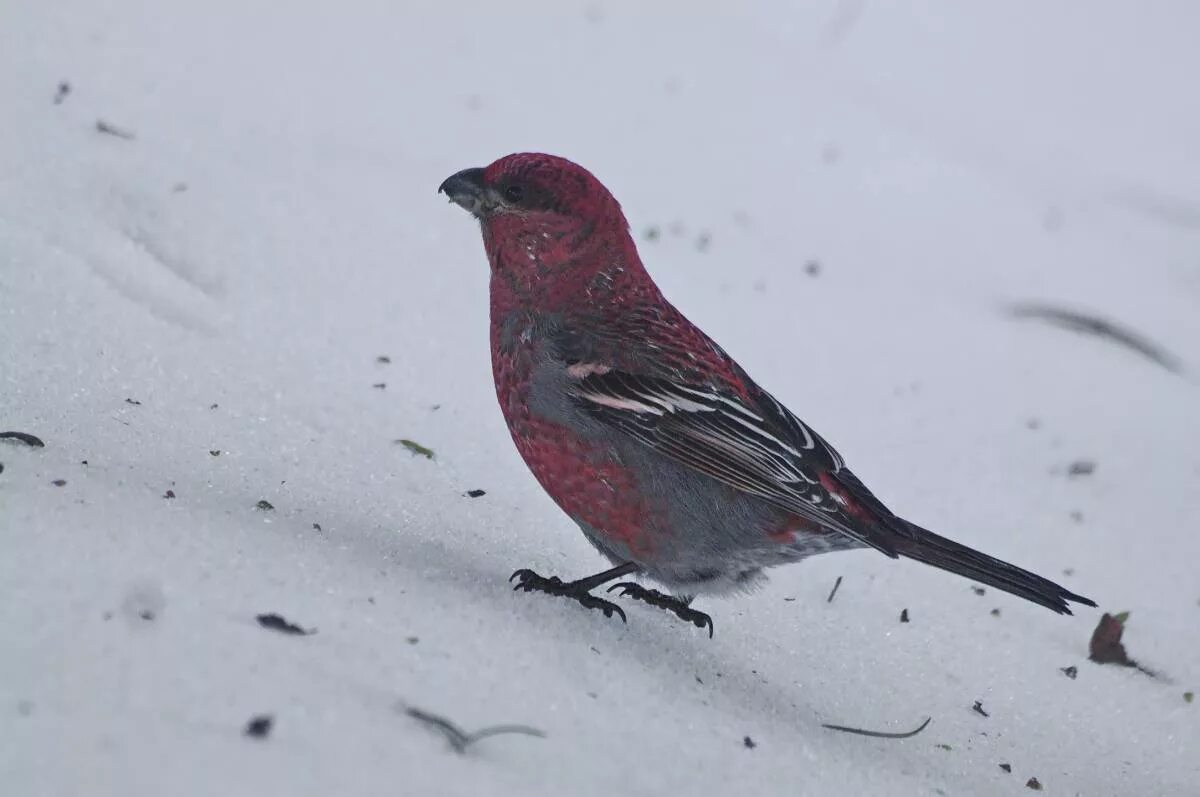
[272, 228]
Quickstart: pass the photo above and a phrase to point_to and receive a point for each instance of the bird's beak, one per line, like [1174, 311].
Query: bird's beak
[466, 189]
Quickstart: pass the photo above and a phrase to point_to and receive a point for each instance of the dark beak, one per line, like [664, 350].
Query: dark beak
[466, 189]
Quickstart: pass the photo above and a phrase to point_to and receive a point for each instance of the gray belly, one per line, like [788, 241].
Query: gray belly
[709, 538]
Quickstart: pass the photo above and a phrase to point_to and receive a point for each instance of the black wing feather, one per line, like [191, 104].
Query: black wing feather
[760, 449]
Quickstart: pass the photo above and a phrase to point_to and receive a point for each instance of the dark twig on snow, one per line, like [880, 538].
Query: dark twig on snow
[833, 591]
[459, 739]
[276, 622]
[23, 437]
[1093, 325]
[879, 734]
[112, 130]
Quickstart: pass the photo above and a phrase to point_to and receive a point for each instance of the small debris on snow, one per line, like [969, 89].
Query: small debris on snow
[59, 482]
[1076, 516]
[134, 402]
[904, 615]
[23, 437]
[748, 743]
[264, 505]
[652, 233]
[216, 452]
[144, 602]
[833, 591]
[169, 494]
[412, 640]
[702, 242]
[112, 130]
[1033, 424]
[978, 708]
[813, 268]
[1188, 697]
[978, 590]
[1081, 467]
[995, 612]
[1093, 325]
[459, 739]
[878, 734]
[475, 493]
[1033, 783]
[1006, 767]
[64, 88]
[416, 448]
[943, 746]
[1105, 646]
[383, 359]
[1071, 672]
[259, 727]
[276, 622]
[316, 527]
[380, 385]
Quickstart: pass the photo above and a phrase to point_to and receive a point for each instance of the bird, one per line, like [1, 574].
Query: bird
[675, 464]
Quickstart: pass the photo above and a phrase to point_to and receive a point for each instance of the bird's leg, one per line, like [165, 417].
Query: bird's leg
[579, 590]
[679, 606]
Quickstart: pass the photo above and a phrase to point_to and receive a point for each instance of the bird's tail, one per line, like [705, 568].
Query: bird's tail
[927, 547]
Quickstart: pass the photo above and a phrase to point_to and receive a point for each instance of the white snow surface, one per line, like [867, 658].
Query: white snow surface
[272, 228]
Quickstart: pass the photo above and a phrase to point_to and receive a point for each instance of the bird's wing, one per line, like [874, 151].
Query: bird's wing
[757, 446]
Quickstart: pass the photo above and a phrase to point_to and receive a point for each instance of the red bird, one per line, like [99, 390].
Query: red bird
[672, 461]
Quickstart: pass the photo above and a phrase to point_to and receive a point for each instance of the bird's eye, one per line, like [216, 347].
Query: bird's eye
[514, 193]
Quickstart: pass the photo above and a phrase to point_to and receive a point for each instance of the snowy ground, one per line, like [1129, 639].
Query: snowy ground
[199, 309]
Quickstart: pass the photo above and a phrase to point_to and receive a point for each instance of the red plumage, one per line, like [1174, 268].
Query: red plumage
[674, 463]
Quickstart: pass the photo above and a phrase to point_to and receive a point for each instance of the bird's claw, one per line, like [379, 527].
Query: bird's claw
[669, 602]
[529, 581]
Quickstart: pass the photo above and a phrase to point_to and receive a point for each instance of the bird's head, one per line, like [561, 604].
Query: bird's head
[544, 219]
[531, 186]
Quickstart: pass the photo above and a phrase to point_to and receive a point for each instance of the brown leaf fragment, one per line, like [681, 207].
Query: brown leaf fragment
[1106, 647]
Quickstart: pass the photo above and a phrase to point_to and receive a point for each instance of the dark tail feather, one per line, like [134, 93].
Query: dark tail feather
[927, 547]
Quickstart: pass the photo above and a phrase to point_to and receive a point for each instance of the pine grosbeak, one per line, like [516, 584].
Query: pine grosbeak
[672, 461]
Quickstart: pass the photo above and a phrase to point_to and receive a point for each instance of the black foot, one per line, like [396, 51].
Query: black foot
[531, 582]
[678, 606]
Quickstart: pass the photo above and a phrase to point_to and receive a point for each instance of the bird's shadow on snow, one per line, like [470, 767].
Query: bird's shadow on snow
[652, 642]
